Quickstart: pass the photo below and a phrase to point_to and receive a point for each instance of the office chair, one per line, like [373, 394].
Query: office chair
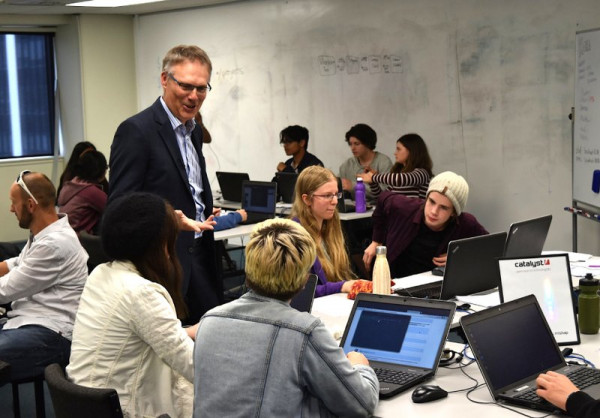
[93, 246]
[73, 401]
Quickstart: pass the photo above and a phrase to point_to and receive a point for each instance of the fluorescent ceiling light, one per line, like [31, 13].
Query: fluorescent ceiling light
[111, 3]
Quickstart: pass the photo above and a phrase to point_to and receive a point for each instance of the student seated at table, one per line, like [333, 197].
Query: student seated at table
[417, 232]
[410, 174]
[557, 389]
[315, 207]
[127, 333]
[295, 143]
[257, 356]
[362, 140]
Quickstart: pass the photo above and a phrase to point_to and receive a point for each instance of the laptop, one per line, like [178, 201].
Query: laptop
[471, 267]
[527, 238]
[231, 185]
[548, 278]
[303, 300]
[513, 344]
[403, 338]
[286, 183]
[259, 199]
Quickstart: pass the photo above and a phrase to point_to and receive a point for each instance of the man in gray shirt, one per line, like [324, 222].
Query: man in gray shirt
[44, 283]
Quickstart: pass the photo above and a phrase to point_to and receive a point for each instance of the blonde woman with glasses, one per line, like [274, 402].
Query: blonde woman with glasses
[315, 209]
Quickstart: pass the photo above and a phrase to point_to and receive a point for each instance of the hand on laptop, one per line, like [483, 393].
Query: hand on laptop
[440, 261]
[187, 224]
[357, 358]
[555, 388]
[243, 213]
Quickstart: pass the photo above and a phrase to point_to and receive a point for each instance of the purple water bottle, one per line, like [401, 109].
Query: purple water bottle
[360, 197]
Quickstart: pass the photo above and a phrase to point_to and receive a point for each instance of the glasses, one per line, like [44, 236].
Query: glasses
[21, 183]
[330, 196]
[200, 90]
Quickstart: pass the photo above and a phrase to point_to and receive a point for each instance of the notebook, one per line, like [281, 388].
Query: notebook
[548, 278]
[403, 338]
[286, 183]
[231, 185]
[513, 344]
[527, 238]
[259, 199]
[303, 300]
[471, 267]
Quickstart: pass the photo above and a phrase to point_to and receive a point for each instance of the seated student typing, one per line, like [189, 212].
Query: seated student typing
[257, 356]
[557, 389]
[315, 208]
[417, 232]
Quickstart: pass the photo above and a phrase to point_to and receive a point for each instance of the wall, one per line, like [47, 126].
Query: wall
[489, 85]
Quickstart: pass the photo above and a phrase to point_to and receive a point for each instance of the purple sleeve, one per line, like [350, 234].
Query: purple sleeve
[323, 286]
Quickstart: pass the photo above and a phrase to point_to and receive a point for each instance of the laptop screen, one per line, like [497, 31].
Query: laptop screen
[548, 278]
[527, 238]
[259, 197]
[511, 344]
[396, 333]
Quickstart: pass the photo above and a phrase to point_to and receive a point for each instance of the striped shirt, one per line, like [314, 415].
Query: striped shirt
[412, 184]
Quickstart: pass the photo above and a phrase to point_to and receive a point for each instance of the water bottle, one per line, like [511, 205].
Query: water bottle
[589, 305]
[360, 196]
[381, 272]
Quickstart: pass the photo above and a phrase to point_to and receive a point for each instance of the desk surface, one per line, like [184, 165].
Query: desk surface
[333, 310]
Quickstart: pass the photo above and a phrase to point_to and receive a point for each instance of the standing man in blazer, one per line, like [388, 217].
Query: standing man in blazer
[159, 150]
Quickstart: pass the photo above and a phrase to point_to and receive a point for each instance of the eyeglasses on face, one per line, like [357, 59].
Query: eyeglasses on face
[200, 90]
[330, 196]
[21, 183]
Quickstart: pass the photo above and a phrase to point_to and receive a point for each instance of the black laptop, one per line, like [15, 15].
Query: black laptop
[527, 238]
[231, 185]
[403, 338]
[259, 199]
[471, 267]
[513, 344]
[303, 300]
[286, 183]
[344, 205]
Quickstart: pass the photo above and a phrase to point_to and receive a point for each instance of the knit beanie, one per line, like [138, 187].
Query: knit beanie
[131, 223]
[453, 186]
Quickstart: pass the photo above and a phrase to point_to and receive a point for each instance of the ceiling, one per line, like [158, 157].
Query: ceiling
[57, 7]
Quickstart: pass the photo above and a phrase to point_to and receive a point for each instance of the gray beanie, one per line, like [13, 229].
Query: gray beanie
[453, 186]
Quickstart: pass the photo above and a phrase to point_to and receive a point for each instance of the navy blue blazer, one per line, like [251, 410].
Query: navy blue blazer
[145, 157]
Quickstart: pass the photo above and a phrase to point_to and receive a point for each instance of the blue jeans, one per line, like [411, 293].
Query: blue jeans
[30, 348]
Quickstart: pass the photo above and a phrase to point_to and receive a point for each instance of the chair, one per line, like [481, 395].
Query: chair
[93, 246]
[73, 401]
[38, 382]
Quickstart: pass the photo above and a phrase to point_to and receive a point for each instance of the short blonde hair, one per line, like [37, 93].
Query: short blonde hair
[278, 257]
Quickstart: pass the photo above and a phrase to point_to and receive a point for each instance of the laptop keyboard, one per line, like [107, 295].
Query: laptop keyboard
[581, 377]
[429, 290]
[395, 377]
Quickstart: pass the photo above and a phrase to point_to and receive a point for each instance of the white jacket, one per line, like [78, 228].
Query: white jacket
[127, 337]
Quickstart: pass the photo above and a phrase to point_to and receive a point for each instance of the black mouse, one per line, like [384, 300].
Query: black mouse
[427, 393]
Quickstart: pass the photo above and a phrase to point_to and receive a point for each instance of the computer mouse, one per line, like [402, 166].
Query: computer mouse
[428, 393]
[438, 271]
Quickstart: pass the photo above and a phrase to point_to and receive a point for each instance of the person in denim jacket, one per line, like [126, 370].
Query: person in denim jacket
[257, 356]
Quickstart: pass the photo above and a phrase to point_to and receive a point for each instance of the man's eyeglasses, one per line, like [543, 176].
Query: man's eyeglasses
[21, 183]
[200, 90]
[330, 196]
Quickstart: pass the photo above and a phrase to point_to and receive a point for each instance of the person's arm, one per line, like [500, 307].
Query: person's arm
[187, 224]
[555, 388]
[346, 386]
[228, 221]
[153, 319]
[416, 177]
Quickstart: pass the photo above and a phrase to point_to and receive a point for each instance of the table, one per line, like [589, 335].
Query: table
[333, 310]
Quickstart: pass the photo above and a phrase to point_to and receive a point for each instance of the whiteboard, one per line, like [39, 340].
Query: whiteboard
[586, 137]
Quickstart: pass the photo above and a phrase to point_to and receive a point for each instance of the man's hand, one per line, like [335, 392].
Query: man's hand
[243, 213]
[187, 224]
[280, 166]
[440, 261]
[555, 388]
[357, 358]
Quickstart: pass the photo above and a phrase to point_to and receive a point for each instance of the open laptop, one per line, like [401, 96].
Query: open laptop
[231, 185]
[513, 344]
[527, 238]
[303, 300]
[403, 338]
[471, 267]
[286, 183]
[259, 199]
[548, 278]
[344, 205]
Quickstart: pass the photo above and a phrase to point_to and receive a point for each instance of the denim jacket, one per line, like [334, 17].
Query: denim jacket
[258, 357]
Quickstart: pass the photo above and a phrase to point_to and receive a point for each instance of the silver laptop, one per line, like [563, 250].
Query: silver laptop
[548, 278]
[513, 344]
[259, 199]
[403, 338]
[527, 238]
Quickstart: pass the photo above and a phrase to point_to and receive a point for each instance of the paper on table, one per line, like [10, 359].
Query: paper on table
[487, 300]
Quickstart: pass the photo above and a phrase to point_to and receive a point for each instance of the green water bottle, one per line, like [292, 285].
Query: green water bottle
[589, 305]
